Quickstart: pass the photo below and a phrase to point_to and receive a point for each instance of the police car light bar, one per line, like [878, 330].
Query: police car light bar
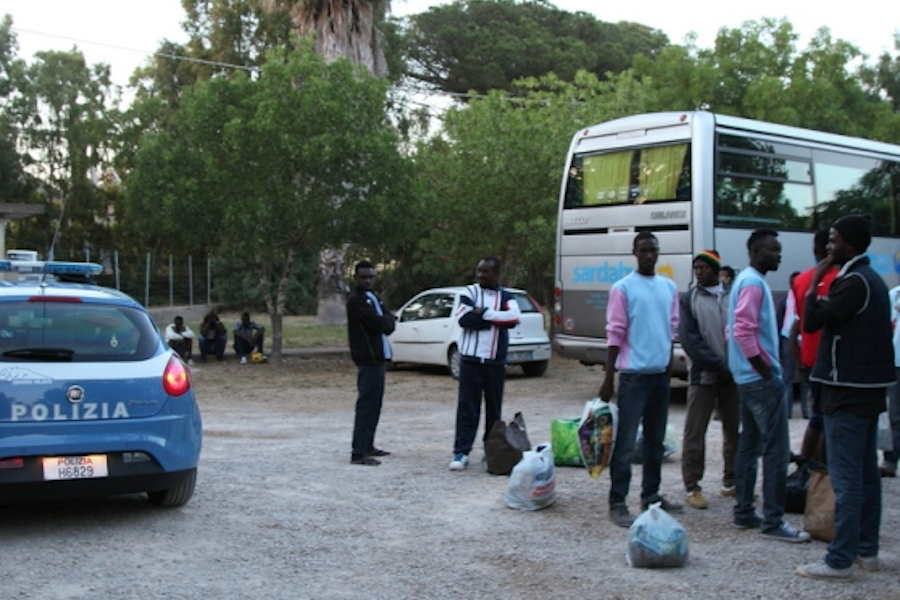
[51, 267]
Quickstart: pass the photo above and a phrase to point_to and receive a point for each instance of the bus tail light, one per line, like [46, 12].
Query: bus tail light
[557, 306]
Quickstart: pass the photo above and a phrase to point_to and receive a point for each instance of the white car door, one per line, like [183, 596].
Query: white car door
[405, 338]
[437, 330]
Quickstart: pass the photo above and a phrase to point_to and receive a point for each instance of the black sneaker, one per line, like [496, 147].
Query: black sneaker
[620, 516]
[788, 533]
[669, 507]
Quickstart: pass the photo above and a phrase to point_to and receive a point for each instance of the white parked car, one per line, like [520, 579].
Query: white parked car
[428, 332]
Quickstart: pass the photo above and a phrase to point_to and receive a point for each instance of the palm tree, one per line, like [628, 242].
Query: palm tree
[342, 29]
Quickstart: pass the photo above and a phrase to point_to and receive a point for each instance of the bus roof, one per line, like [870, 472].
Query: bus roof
[632, 125]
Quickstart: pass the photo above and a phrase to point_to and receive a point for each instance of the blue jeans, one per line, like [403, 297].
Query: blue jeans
[815, 396]
[370, 388]
[764, 432]
[642, 398]
[891, 458]
[852, 446]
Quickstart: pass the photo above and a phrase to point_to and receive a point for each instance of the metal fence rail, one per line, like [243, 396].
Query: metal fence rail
[158, 281]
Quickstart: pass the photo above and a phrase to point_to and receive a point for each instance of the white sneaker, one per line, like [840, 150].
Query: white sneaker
[821, 570]
[868, 563]
[459, 462]
[243, 360]
[190, 362]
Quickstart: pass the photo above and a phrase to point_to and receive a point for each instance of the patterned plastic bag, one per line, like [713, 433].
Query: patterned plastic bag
[597, 434]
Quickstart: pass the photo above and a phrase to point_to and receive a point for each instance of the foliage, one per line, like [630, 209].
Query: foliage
[236, 284]
[482, 45]
[274, 168]
[495, 175]
[59, 122]
[758, 72]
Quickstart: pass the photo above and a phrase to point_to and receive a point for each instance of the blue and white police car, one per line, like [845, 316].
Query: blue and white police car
[92, 401]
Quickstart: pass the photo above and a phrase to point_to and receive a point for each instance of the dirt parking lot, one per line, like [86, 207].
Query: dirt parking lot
[279, 512]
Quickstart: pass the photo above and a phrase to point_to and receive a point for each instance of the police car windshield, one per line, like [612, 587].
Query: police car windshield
[75, 331]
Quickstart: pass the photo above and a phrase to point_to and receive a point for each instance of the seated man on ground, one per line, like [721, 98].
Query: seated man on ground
[248, 338]
[181, 339]
[213, 337]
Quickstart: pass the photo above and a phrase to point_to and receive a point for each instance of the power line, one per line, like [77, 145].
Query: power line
[251, 69]
[212, 63]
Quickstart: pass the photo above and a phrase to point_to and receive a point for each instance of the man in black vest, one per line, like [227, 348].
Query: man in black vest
[855, 365]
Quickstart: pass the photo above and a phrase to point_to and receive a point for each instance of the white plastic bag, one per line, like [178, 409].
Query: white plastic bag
[656, 539]
[532, 483]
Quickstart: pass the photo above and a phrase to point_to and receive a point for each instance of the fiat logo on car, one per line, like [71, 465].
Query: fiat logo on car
[75, 394]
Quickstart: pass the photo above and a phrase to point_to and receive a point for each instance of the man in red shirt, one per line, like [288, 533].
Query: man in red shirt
[813, 440]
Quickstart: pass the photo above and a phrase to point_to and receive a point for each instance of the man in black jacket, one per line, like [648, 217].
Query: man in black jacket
[855, 365]
[368, 325]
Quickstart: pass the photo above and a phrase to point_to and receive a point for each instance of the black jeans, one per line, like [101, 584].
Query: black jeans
[370, 388]
[476, 378]
[243, 348]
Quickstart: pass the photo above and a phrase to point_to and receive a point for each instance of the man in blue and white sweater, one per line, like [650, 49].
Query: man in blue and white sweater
[486, 313]
[641, 322]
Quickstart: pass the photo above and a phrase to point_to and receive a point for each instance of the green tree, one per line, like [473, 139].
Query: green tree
[481, 45]
[15, 183]
[757, 71]
[494, 174]
[58, 125]
[298, 159]
[348, 30]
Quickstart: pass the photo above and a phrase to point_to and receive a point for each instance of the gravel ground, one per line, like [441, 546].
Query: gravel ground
[279, 512]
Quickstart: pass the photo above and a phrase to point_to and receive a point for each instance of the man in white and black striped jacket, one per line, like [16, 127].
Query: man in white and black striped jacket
[486, 313]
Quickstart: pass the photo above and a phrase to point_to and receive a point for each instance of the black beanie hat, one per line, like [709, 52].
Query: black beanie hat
[856, 230]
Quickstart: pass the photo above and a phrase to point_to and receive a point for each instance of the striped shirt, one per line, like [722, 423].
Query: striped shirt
[485, 337]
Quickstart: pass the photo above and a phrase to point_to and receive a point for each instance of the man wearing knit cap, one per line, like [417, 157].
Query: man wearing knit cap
[701, 328]
[855, 365]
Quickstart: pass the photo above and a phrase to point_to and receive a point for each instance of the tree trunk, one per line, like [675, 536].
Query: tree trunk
[275, 306]
[333, 288]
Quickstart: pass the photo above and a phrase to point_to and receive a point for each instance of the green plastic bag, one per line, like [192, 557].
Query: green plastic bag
[564, 441]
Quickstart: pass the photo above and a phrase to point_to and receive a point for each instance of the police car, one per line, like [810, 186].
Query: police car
[92, 401]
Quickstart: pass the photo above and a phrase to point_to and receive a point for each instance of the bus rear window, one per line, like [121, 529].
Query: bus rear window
[633, 176]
